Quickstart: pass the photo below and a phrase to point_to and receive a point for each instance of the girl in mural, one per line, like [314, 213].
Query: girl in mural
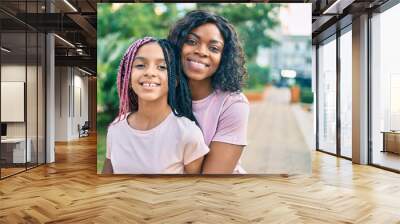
[155, 131]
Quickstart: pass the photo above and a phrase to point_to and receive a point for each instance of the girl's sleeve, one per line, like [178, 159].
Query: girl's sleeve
[195, 147]
[233, 121]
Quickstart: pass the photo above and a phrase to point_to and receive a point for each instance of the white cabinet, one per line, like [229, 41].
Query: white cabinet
[18, 149]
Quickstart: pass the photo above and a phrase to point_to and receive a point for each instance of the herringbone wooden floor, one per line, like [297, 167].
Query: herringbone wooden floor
[70, 191]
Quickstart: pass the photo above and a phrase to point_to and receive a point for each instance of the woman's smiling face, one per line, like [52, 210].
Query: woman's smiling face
[202, 52]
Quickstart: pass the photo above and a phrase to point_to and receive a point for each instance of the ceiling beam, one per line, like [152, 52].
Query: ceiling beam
[320, 22]
[337, 6]
[84, 24]
[82, 61]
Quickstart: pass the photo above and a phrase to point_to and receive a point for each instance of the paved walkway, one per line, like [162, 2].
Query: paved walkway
[276, 143]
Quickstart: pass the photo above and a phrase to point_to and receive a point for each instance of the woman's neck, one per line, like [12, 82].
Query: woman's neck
[200, 89]
[149, 114]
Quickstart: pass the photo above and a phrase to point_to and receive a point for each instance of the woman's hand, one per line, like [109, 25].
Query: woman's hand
[222, 158]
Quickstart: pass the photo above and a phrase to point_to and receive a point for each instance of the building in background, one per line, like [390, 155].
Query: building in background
[290, 58]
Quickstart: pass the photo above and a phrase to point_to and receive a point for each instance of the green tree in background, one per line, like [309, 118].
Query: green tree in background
[252, 21]
[135, 20]
[108, 58]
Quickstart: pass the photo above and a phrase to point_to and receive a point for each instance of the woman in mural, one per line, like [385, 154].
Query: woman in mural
[213, 62]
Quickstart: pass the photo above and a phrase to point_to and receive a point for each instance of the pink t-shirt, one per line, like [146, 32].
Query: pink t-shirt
[166, 148]
[223, 117]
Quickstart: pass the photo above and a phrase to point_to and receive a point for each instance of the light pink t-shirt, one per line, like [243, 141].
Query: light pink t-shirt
[166, 148]
[223, 117]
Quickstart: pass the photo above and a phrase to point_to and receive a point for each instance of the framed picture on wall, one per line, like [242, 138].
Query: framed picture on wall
[12, 101]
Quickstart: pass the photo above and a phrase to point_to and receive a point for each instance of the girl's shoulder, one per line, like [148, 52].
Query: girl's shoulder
[184, 123]
[188, 129]
[117, 124]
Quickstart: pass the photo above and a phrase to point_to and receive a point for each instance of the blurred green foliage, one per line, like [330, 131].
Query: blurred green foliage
[135, 20]
[253, 22]
[306, 95]
[101, 148]
[258, 76]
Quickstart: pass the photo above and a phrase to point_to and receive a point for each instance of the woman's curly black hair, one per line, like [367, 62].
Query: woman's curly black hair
[231, 72]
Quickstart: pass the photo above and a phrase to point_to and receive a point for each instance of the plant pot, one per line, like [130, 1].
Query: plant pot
[254, 97]
[294, 94]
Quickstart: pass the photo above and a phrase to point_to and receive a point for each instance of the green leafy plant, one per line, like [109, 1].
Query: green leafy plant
[306, 95]
[258, 76]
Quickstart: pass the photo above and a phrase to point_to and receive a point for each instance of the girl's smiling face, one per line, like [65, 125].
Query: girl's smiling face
[202, 52]
[149, 77]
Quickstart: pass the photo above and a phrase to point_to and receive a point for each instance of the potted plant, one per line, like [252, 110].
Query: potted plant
[294, 93]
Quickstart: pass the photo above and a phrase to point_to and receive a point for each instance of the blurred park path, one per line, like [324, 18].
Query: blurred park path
[276, 143]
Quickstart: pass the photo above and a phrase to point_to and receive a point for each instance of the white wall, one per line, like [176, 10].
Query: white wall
[14, 72]
[79, 103]
[61, 103]
[70, 83]
[12, 101]
[33, 126]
